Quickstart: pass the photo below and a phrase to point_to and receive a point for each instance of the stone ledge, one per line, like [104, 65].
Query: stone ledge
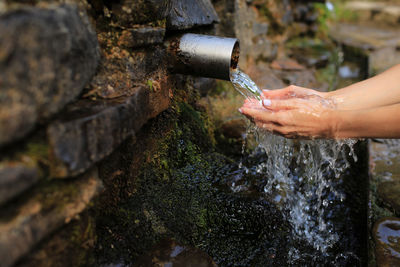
[47, 56]
[45, 211]
[92, 130]
[14, 179]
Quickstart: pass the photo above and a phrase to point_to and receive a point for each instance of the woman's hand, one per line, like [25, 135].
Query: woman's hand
[294, 112]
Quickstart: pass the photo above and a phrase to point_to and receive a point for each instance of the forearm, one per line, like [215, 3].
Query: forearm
[381, 90]
[381, 122]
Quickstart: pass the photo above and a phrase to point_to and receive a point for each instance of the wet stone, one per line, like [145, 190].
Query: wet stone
[47, 56]
[23, 226]
[88, 131]
[143, 36]
[386, 234]
[185, 14]
[15, 179]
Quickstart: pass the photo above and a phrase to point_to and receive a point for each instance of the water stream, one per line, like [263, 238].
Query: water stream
[301, 177]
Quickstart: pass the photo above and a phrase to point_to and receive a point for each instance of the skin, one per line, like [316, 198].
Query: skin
[360, 110]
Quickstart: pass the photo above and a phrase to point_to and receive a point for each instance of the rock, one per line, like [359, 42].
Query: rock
[185, 14]
[260, 28]
[379, 45]
[375, 12]
[286, 64]
[263, 76]
[46, 210]
[127, 13]
[204, 85]
[122, 71]
[142, 36]
[91, 130]
[168, 252]
[15, 179]
[304, 78]
[47, 56]
[386, 233]
[279, 13]
[309, 52]
[234, 128]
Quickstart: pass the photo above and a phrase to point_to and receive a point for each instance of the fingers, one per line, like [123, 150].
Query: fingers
[252, 103]
[258, 114]
[278, 93]
[282, 104]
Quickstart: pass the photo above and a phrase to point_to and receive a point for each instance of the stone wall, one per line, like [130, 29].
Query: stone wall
[87, 103]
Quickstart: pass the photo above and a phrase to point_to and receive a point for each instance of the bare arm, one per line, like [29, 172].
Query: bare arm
[380, 90]
[380, 122]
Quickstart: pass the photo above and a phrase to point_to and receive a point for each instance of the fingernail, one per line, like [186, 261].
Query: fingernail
[267, 102]
[240, 110]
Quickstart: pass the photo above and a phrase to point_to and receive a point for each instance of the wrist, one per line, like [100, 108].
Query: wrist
[334, 121]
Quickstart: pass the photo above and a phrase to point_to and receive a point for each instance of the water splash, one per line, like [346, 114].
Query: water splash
[301, 173]
[301, 176]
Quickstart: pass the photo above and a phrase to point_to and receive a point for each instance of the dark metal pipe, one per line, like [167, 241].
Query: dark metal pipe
[204, 55]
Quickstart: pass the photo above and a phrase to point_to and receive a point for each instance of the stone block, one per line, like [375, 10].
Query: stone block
[47, 56]
[143, 36]
[14, 179]
[47, 209]
[186, 14]
[90, 130]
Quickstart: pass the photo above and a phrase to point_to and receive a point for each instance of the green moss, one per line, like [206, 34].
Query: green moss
[175, 197]
[150, 85]
[344, 14]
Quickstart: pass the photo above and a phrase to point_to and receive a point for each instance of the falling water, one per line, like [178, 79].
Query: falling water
[300, 176]
[244, 85]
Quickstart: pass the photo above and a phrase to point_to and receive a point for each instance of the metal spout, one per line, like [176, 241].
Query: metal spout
[204, 55]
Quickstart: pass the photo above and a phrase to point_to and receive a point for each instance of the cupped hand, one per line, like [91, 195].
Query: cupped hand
[295, 117]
